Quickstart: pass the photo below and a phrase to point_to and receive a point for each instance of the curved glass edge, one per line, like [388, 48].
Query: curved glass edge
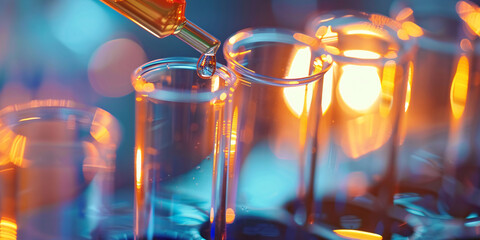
[268, 35]
[104, 127]
[344, 17]
[187, 63]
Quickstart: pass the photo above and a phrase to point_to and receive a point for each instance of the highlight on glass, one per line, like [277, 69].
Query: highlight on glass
[182, 142]
[276, 106]
[350, 180]
[56, 170]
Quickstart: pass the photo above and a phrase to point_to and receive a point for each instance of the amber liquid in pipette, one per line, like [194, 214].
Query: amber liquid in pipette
[162, 18]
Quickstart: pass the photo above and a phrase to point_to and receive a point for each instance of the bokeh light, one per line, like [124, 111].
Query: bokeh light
[80, 25]
[111, 65]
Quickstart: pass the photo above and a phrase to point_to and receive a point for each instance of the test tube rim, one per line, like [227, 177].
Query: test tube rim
[60, 109]
[248, 75]
[429, 40]
[407, 47]
[186, 63]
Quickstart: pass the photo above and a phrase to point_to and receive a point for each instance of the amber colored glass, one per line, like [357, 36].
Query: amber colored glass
[160, 17]
[164, 18]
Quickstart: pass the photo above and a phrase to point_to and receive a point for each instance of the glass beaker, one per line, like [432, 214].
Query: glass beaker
[352, 183]
[275, 105]
[182, 132]
[56, 170]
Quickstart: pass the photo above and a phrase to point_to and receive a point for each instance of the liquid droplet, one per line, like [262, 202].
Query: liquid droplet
[206, 66]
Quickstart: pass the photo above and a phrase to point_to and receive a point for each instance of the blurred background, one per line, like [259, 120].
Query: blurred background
[85, 51]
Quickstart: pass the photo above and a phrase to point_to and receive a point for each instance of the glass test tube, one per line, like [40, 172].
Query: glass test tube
[439, 179]
[444, 42]
[182, 132]
[352, 182]
[56, 170]
[278, 98]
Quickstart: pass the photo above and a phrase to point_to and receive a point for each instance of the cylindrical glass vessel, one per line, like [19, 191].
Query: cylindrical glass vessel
[439, 176]
[277, 99]
[56, 170]
[182, 133]
[352, 181]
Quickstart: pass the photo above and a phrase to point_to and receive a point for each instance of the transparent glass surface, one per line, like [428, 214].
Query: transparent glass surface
[56, 170]
[439, 166]
[276, 105]
[351, 180]
[182, 132]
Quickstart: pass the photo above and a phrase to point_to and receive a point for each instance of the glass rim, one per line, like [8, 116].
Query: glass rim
[407, 47]
[104, 127]
[429, 40]
[184, 63]
[288, 37]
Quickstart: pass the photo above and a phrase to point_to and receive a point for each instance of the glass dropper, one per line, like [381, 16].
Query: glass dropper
[163, 18]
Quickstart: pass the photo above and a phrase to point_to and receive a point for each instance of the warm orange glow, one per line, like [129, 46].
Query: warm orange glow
[28, 119]
[362, 31]
[233, 142]
[141, 85]
[230, 216]
[17, 150]
[403, 34]
[212, 215]
[297, 96]
[404, 14]
[364, 134]
[305, 39]
[357, 234]
[100, 133]
[459, 88]
[326, 34]
[138, 168]
[332, 50]
[223, 96]
[327, 89]
[215, 83]
[412, 29]
[361, 54]
[233, 55]
[8, 229]
[100, 128]
[470, 14]
[388, 87]
[391, 54]
[409, 86]
[359, 87]
[300, 64]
